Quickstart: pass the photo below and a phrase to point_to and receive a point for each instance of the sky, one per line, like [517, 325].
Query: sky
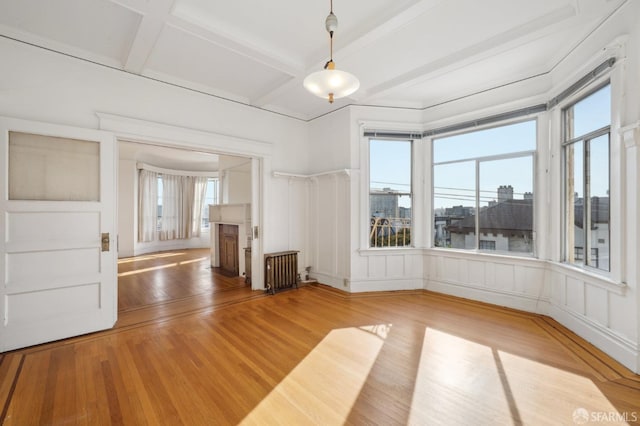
[454, 183]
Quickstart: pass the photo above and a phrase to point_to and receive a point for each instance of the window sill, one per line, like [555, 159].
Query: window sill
[477, 253]
[389, 251]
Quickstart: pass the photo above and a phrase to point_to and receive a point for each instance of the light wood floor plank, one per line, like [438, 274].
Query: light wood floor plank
[315, 356]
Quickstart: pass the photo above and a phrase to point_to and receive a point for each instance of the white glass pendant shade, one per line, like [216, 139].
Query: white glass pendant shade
[331, 84]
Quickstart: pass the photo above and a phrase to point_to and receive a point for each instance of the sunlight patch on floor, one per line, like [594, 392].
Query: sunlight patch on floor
[148, 257]
[463, 382]
[153, 268]
[326, 383]
[186, 262]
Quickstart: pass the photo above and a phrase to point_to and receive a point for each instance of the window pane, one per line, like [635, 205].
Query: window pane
[390, 193]
[211, 197]
[53, 169]
[506, 205]
[575, 202]
[499, 140]
[587, 187]
[599, 199]
[592, 113]
[454, 200]
[160, 190]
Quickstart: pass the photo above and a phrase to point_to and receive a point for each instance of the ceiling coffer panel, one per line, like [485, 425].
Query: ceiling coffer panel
[99, 30]
[190, 58]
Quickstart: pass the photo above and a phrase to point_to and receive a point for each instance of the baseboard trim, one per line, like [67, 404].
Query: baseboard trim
[369, 284]
[360, 286]
[619, 348]
[523, 302]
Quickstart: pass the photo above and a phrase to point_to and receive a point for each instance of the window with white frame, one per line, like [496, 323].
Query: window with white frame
[211, 197]
[390, 193]
[483, 194]
[586, 129]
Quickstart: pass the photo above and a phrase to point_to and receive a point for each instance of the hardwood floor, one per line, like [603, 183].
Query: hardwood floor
[319, 356]
[161, 285]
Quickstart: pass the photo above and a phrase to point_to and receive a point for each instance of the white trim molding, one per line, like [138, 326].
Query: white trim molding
[618, 347]
[136, 130]
[630, 135]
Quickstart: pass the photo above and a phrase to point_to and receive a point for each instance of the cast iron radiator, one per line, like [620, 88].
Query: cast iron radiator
[280, 270]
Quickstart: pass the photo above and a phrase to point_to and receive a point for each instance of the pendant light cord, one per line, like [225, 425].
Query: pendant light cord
[330, 37]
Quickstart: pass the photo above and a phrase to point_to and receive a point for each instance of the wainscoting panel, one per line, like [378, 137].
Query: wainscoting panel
[597, 304]
[595, 308]
[575, 295]
[387, 270]
[502, 280]
[505, 278]
[476, 273]
[329, 196]
[289, 228]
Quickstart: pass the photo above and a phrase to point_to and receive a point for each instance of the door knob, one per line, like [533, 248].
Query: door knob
[105, 241]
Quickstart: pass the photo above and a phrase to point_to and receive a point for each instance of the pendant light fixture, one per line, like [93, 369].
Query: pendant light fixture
[331, 83]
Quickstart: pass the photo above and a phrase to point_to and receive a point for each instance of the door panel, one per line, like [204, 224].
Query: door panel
[56, 280]
[229, 249]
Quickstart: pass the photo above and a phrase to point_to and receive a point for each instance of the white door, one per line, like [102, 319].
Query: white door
[57, 205]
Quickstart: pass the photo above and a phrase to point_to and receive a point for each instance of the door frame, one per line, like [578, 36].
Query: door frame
[164, 135]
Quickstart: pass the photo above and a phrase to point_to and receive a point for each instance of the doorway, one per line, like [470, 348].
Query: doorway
[174, 272]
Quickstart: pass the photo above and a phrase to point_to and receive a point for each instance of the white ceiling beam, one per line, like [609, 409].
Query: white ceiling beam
[495, 45]
[383, 29]
[138, 6]
[153, 22]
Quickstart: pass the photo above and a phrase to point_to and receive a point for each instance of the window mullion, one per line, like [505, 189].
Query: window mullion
[586, 210]
[477, 213]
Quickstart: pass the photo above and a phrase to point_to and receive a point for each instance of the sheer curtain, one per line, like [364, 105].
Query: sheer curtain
[199, 195]
[183, 199]
[173, 214]
[182, 203]
[147, 205]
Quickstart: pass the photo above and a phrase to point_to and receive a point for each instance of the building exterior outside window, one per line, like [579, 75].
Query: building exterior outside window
[390, 193]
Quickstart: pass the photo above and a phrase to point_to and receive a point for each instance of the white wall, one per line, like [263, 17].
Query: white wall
[49, 87]
[127, 207]
[45, 86]
[235, 180]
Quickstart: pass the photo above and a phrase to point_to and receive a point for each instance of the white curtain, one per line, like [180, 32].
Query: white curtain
[182, 203]
[173, 214]
[199, 194]
[147, 205]
[183, 199]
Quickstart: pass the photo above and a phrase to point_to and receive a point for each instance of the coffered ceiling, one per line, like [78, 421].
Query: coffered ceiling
[411, 53]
